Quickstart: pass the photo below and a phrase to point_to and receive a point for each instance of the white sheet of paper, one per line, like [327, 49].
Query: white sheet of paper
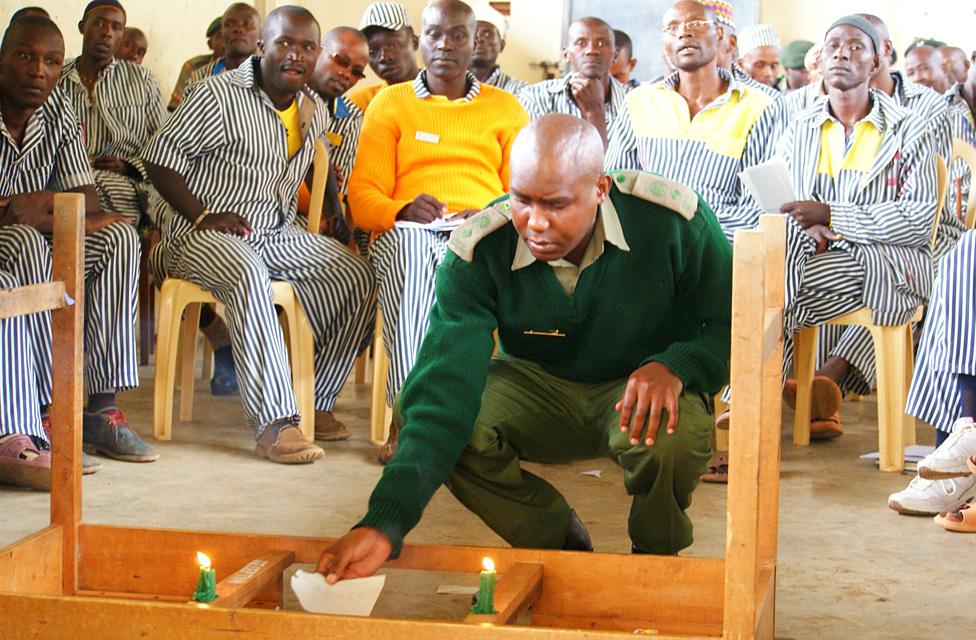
[596, 473]
[441, 224]
[770, 184]
[913, 453]
[456, 590]
[355, 597]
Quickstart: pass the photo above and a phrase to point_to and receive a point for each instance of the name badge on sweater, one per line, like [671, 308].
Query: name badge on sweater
[432, 138]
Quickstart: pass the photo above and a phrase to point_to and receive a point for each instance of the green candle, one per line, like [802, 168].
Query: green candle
[485, 599]
[206, 582]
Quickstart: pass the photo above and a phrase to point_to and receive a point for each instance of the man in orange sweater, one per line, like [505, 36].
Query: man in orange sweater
[430, 152]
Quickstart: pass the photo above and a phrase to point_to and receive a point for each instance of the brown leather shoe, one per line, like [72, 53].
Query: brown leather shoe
[329, 429]
[386, 452]
[826, 428]
[289, 446]
[825, 401]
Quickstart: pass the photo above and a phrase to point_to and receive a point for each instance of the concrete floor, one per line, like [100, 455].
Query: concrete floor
[848, 567]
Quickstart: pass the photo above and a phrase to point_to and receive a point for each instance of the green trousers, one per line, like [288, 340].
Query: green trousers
[529, 414]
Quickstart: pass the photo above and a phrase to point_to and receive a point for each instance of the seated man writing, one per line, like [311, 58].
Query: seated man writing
[606, 348]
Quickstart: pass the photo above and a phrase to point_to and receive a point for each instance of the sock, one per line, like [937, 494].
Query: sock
[967, 394]
[214, 328]
[101, 402]
[45, 411]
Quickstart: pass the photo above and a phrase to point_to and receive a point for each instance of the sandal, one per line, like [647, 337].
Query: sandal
[717, 470]
[962, 520]
[24, 464]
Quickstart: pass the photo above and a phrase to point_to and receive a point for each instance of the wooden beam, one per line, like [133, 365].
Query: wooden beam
[238, 589]
[33, 564]
[31, 299]
[82, 617]
[677, 590]
[66, 350]
[520, 588]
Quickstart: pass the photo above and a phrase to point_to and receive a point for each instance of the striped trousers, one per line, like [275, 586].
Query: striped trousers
[124, 195]
[111, 289]
[948, 345]
[19, 399]
[405, 261]
[336, 289]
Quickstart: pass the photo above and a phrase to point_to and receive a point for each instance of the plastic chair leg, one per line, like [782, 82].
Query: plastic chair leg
[378, 420]
[191, 320]
[805, 363]
[167, 340]
[889, 349]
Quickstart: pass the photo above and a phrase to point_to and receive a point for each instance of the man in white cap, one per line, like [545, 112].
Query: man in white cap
[392, 48]
[489, 42]
[759, 53]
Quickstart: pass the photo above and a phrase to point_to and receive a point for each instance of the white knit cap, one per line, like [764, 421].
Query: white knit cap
[757, 35]
[484, 12]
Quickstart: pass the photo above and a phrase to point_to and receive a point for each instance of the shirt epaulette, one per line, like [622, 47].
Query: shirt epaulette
[657, 189]
[466, 237]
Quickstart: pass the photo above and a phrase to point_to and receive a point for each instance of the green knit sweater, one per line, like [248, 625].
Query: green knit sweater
[668, 300]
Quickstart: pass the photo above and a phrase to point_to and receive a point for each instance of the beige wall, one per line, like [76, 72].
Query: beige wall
[176, 27]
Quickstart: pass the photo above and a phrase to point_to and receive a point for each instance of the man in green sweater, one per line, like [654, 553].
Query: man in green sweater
[611, 296]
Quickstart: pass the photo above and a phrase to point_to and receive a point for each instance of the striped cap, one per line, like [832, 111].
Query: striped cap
[388, 15]
[484, 12]
[757, 35]
[723, 12]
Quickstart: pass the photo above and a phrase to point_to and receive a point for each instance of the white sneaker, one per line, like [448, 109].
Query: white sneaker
[928, 497]
[949, 460]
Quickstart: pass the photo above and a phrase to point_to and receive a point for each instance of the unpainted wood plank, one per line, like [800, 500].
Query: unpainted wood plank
[82, 617]
[238, 589]
[766, 596]
[33, 563]
[513, 595]
[163, 561]
[66, 351]
[630, 626]
[31, 299]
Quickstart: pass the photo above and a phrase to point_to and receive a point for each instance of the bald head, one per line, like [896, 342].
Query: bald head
[343, 34]
[957, 63]
[564, 144]
[456, 9]
[925, 65]
[273, 24]
[888, 55]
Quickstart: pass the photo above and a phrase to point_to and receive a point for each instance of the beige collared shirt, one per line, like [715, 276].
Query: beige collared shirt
[606, 229]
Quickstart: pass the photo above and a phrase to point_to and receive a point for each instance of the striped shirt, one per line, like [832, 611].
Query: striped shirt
[785, 110]
[51, 157]
[962, 126]
[212, 68]
[230, 146]
[122, 114]
[880, 184]
[742, 76]
[343, 137]
[706, 152]
[422, 92]
[554, 96]
[502, 80]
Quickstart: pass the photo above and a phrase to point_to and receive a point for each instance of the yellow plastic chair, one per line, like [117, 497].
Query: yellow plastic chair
[962, 150]
[380, 413]
[893, 353]
[179, 313]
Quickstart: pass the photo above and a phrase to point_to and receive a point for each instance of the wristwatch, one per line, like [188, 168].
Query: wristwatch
[203, 214]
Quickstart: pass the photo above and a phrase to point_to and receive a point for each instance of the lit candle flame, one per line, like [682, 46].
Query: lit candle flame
[488, 564]
[203, 560]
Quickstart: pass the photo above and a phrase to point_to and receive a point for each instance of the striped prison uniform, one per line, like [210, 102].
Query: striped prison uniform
[343, 135]
[19, 398]
[880, 184]
[854, 344]
[505, 82]
[229, 144]
[554, 96]
[52, 158]
[707, 152]
[204, 71]
[783, 112]
[948, 346]
[414, 142]
[962, 126]
[117, 119]
[743, 76]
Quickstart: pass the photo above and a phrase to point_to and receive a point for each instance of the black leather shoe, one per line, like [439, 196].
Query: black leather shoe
[224, 380]
[109, 434]
[577, 537]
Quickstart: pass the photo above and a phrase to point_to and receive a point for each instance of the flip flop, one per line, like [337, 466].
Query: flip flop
[23, 464]
[963, 520]
[717, 470]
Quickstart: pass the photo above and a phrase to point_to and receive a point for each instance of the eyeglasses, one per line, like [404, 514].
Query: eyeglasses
[692, 26]
[346, 63]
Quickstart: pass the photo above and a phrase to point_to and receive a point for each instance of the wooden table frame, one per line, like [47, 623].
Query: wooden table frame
[77, 580]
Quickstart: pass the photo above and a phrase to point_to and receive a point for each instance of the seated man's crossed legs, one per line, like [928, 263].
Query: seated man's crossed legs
[406, 262]
[530, 415]
[337, 292]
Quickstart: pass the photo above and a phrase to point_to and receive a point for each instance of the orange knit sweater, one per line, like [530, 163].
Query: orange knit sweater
[454, 150]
